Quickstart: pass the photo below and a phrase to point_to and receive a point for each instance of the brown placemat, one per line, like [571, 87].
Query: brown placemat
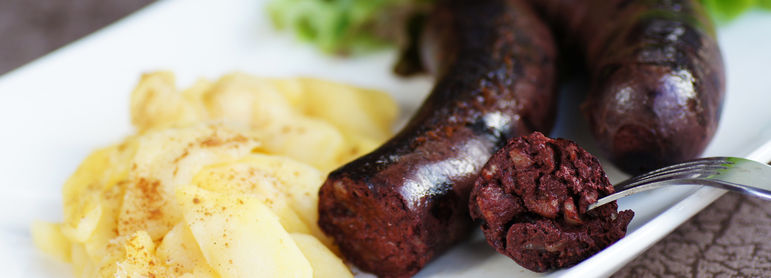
[730, 238]
[31, 28]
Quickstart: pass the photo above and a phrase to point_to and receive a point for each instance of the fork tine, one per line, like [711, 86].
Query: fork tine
[671, 173]
[733, 173]
[689, 167]
[683, 174]
[697, 162]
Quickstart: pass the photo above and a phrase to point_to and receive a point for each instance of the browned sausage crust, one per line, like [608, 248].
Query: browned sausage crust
[657, 78]
[531, 199]
[396, 208]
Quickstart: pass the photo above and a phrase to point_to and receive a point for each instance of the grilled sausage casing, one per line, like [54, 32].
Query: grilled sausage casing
[657, 77]
[396, 208]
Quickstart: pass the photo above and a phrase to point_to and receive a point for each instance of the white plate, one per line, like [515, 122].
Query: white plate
[55, 110]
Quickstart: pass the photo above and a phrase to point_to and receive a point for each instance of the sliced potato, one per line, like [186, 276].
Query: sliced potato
[356, 111]
[260, 104]
[325, 263]
[91, 194]
[253, 101]
[156, 103]
[299, 182]
[252, 152]
[166, 160]
[356, 146]
[101, 170]
[225, 227]
[317, 122]
[243, 178]
[48, 237]
[82, 265]
[307, 140]
[290, 188]
[81, 228]
[140, 260]
[181, 253]
[98, 245]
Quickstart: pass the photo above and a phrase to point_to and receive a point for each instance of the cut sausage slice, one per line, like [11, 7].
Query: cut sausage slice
[531, 199]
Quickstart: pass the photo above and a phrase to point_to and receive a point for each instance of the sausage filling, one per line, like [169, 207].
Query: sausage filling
[532, 196]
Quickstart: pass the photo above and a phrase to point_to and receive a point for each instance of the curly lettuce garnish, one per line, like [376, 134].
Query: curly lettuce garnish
[344, 26]
[727, 10]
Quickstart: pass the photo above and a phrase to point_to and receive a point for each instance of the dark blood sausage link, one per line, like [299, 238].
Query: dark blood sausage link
[531, 199]
[396, 208]
[657, 78]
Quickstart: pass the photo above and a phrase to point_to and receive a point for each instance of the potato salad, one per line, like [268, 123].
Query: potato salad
[220, 180]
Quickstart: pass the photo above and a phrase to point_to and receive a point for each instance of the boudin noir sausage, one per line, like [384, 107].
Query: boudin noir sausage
[656, 76]
[532, 197]
[396, 208]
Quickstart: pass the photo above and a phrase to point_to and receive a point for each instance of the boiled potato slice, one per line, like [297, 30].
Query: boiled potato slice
[156, 102]
[245, 99]
[82, 265]
[260, 104]
[299, 182]
[168, 159]
[291, 88]
[140, 260]
[181, 253]
[90, 176]
[308, 140]
[357, 111]
[243, 178]
[321, 123]
[325, 263]
[81, 228]
[239, 236]
[357, 145]
[48, 237]
[101, 170]
[98, 245]
[91, 193]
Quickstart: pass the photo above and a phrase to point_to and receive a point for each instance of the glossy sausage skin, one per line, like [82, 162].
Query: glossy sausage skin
[657, 78]
[396, 208]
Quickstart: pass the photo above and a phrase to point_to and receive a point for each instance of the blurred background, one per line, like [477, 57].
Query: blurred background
[32, 28]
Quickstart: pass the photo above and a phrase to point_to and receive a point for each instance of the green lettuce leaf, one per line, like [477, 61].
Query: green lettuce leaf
[344, 25]
[727, 10]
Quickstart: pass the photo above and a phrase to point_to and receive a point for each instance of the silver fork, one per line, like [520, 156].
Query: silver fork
[732, 173]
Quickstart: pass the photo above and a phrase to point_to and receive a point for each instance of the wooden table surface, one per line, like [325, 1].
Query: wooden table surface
[730, 238]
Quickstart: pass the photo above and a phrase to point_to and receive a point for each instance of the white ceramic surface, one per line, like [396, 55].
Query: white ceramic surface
[57, 109]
